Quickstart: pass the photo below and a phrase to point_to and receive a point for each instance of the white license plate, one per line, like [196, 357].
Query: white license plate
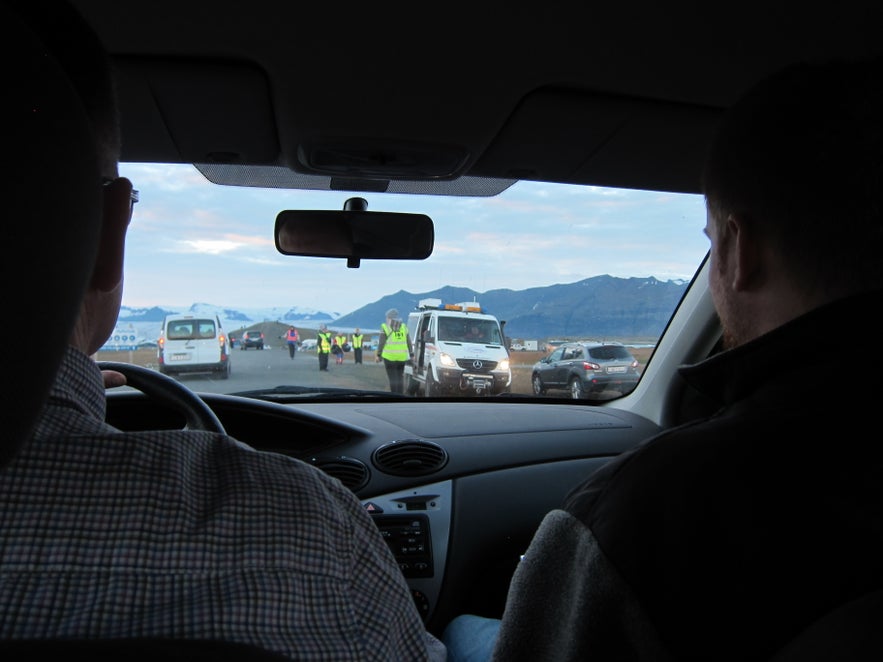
[616, 368]
[180, 356]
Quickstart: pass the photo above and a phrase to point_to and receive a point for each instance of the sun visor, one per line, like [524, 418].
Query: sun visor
[193, 111]
[569, 135]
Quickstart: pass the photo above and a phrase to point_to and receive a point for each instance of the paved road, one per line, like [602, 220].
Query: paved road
[255, 368]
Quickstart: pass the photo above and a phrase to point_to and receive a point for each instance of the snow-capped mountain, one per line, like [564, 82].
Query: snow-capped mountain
[235, 317]
[604, 306]
[141, 326]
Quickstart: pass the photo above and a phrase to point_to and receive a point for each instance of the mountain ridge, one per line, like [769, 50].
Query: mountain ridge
[601, 306]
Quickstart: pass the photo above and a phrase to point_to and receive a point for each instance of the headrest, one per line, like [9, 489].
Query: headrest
[51, 215]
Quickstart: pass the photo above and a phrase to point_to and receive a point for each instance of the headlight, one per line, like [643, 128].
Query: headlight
[503, 365]
[446, 360]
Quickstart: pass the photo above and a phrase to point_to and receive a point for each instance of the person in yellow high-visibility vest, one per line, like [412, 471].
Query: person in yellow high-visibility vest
[358, 337]
[394, 350]
[339, 341]
[323, 346]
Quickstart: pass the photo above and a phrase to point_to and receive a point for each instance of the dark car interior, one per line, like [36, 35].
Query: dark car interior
[594, 94]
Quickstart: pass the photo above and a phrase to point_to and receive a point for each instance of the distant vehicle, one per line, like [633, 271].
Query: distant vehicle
[190, 343]
[251, 339]
[309, 343]
[585, 368]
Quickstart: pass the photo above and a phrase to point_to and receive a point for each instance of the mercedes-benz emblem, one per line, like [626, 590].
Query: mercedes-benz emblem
[477, 365]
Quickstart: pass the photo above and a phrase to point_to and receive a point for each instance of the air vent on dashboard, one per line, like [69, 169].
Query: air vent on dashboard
[349, 471]
[410, 457]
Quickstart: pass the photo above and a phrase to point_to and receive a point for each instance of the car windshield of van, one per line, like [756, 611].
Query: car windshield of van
[469, 330]
[544, 263]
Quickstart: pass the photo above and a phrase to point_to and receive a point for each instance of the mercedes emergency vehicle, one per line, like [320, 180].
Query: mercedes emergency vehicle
[458, 350]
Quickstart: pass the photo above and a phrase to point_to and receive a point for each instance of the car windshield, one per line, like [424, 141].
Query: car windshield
[456, 329]
[541, 263]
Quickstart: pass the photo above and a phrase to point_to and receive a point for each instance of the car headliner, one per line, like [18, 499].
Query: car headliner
[615, 94]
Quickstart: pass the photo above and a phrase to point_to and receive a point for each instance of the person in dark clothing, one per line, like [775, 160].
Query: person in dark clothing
[292, 338]
[725, 537]
[166, 535]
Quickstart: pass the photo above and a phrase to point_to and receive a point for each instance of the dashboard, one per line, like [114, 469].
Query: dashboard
[457, 488]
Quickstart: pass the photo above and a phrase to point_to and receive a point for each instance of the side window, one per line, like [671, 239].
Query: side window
[447, 329]
[557, 354]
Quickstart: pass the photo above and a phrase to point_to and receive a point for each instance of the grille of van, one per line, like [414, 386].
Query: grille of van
[476, 365]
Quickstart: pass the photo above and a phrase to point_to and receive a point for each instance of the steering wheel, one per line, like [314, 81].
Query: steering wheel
[167, 391]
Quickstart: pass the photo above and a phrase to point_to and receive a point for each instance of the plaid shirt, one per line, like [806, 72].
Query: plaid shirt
[190, 534]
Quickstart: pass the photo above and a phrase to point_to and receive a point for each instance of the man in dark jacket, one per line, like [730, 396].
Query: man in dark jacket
[725, 537]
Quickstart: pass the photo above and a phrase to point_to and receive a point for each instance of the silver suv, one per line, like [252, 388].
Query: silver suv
[585, 368]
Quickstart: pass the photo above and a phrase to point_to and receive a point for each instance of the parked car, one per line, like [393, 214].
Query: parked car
[550, 145]
[251, 339]
[586, 369]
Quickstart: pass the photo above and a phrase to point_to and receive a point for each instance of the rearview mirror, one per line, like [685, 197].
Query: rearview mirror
[354, 234]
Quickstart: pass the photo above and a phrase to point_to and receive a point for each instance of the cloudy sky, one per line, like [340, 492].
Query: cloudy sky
[192, 241]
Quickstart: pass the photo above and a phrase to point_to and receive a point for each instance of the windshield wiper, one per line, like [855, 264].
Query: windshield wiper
[288, 392]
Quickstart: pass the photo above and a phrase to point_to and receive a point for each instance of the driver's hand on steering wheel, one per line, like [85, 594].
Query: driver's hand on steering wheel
[112, 378]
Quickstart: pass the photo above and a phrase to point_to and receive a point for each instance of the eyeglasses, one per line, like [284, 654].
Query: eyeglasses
[133, 196]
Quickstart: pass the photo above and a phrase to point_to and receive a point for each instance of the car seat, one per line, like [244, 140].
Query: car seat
[853, 632]
[55, 251]
[52, 170]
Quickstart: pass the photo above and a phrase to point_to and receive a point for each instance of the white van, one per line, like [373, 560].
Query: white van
[193, 343]
[458, 350]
